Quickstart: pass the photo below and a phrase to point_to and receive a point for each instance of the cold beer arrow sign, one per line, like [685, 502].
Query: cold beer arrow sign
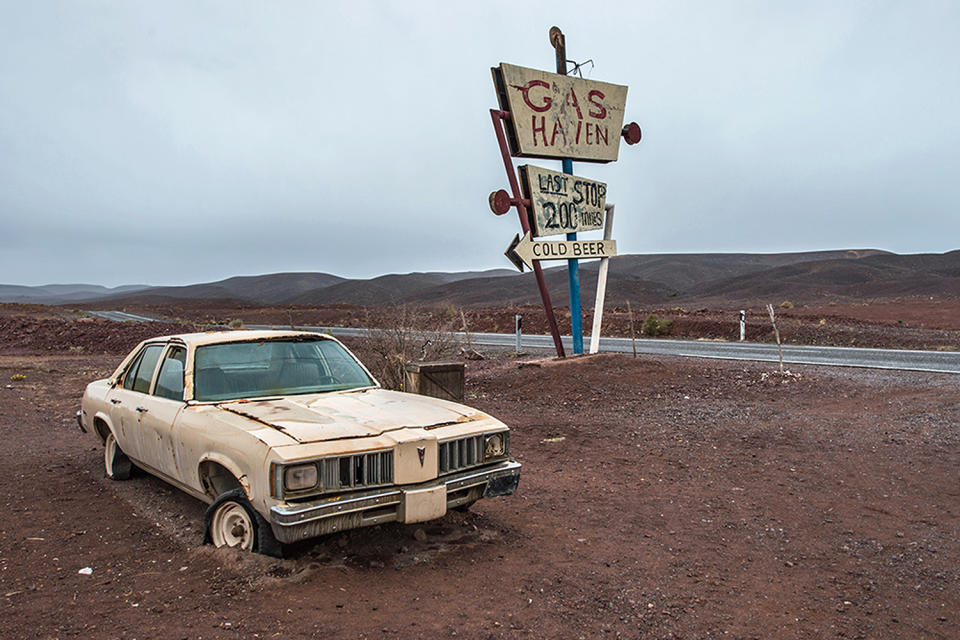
[524, 251]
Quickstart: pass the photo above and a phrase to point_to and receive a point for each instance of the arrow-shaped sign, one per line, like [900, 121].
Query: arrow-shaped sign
[523, 251]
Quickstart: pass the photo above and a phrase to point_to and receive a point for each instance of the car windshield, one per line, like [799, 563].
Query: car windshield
[274, 368]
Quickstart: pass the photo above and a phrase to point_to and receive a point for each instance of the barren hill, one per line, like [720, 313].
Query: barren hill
[389, 289]
[61, 293]
[737, 278]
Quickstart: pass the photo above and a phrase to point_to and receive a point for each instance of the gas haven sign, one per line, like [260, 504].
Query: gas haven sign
[555, 116]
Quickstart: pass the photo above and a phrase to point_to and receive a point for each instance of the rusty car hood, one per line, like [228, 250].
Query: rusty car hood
[354, 414]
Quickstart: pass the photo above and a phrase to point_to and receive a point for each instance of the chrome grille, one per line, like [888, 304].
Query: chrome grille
[461, 453]
[360, 470]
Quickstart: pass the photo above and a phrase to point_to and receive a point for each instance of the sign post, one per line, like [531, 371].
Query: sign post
[601, 286]
[564, 118]
[559, 43]
[500, 203]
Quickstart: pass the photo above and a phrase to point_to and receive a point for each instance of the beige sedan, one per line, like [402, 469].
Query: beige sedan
[288, 436]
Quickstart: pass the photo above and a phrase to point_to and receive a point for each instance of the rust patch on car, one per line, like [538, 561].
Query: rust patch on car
[245, 484]
[252, 417]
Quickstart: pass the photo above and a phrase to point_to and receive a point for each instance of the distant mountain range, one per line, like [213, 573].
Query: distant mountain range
[63, 293]
[715, 278]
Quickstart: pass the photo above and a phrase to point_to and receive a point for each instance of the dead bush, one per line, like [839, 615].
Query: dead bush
[398, 335]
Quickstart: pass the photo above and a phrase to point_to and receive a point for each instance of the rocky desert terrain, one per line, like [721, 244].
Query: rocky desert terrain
[660, 498]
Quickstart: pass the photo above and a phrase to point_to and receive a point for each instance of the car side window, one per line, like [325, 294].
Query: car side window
[130, 375]
[170, 378]
[148, 362]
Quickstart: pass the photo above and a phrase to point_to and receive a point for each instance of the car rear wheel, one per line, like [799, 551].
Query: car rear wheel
[231, 521]
[116, 462]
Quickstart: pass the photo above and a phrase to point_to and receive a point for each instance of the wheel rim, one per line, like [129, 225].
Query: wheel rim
[109, 453]
[232, 527]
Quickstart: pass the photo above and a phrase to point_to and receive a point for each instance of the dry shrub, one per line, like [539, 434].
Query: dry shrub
[398, 335]
[654, 326]
[786, 304]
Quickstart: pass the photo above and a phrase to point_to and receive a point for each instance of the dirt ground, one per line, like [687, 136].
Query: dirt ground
[660, 498]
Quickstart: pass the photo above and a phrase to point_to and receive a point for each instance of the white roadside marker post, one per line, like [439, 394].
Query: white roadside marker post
[601, 283]
[518, 320]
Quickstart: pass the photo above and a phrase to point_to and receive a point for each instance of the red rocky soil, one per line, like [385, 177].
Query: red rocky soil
[660, 498]
[904, 324]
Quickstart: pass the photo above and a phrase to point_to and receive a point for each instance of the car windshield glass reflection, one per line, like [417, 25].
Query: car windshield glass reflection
[274, 368]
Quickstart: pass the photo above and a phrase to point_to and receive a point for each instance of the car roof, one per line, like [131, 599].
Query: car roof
[244, 335]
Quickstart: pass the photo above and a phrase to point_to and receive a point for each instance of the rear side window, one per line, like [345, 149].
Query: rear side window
[170, 378]
[131, 373]
[142, 371]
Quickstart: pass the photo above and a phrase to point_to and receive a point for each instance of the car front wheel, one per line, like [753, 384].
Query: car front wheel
[231, 521]
[116, 462]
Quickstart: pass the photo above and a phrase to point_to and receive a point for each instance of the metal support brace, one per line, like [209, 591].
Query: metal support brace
[499, 118]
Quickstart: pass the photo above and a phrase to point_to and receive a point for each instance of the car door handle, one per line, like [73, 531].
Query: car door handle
[141, 409]
[115, 400]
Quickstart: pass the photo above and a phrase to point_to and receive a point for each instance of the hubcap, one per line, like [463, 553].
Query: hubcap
[232, 527]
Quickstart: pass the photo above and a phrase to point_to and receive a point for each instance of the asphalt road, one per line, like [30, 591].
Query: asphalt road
[933, 361]
[121, 316]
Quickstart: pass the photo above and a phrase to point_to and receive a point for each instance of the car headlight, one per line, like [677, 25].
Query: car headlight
[496, 446]
[299, 477]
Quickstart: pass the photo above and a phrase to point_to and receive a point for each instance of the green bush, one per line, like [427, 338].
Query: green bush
[236, 323]
[654, 326]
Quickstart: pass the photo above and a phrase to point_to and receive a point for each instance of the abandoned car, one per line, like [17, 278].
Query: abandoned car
[287, 436]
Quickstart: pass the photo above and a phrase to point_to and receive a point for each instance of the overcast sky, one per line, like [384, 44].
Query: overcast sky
[182, 142]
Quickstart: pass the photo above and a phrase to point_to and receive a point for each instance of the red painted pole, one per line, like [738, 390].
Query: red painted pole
[499, 117]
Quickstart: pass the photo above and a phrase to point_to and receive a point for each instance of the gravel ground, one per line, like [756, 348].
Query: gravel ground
[660, 498]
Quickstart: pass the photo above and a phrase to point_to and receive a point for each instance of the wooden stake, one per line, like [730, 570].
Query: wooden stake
[776, 332]
[466, 330]
[633, 335]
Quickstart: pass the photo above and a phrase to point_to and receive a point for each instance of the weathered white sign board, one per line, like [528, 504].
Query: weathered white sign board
[526, 250]
[563, 203]
[555, 116]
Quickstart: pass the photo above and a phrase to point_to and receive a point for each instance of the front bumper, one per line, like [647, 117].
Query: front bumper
[292, 522]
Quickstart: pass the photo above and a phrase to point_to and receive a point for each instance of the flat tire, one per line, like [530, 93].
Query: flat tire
[116, 463]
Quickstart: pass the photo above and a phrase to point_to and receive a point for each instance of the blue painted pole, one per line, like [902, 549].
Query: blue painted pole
[573, 275]
[559, 43]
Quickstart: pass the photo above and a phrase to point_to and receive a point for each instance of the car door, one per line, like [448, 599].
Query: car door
[159, 411]
[126, 399]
